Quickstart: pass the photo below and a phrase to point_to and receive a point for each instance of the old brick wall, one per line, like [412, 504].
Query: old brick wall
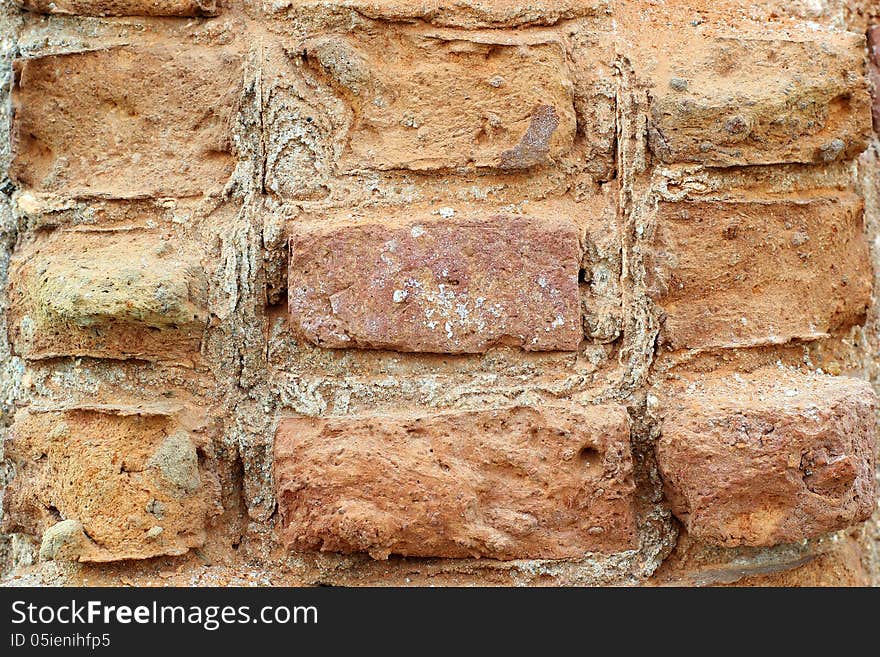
[427, 292]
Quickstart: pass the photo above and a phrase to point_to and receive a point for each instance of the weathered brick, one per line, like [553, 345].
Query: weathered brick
[125, 294]
[128, 121]
[763, 254]
[127, 487]
[449, 102]
[457, 285]
[770, 457]
[832, 562]
[507, 483]
[874, 74]
[462, 13]
[585, 202]
[122, 7]
[735, 101]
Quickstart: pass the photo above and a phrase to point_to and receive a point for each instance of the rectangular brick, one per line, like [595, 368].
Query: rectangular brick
[726, 272]
[125, 487]
[128, 121]
[506, 483]
[770, 457]
[462, 13]
[733, 100]
[109, 294]
[454, 285]
[122, 7]
[448, 102]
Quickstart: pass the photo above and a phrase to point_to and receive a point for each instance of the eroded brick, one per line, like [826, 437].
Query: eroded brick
[107, 487]
[463, 13]
[874, 74]
[504, 483]
[122, 7]
[757, 272]
[737, 101]
[456, 285]
[769, 457]
[449, 102]
[128, 121]
[125, 294]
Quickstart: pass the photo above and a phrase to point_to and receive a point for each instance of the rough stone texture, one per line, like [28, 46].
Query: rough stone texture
[431, 284]
[117, 476]
[125, 121]
[123, 7]
[547, 483]
[64, 540]
[590, 125]
[112, 294]
[764, 253]
[734, 100]
[772, 458]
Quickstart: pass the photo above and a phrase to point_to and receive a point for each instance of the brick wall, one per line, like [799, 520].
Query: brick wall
[377, 291]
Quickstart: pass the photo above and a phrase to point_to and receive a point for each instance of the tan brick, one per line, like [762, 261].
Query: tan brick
[462, 13]
[132, 483]
[735, 100]
[726, 272]
[450, 101]
[770, 457]
[122, 7]
[505, 483]
[125, 294]
[457, 285]
[125, 122]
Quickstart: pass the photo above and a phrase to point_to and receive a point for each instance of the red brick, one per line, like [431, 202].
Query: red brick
[770, 457]
[733, 100]
[126, 121]
[504, 483]
[726, 271]
[459, 285]
[874, 74]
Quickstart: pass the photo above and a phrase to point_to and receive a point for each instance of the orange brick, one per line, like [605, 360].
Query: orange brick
[505, 483]
[770, 457]
[735, 100]
[727, 272]
[449, 102]
[122, 7]
[133, 483]
[126, 121]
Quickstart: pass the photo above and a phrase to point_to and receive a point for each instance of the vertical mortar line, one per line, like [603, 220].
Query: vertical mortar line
[869, 189]
[251, 398]
[867, 182]
[640, 336]
[658, 534]
[11, 367]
